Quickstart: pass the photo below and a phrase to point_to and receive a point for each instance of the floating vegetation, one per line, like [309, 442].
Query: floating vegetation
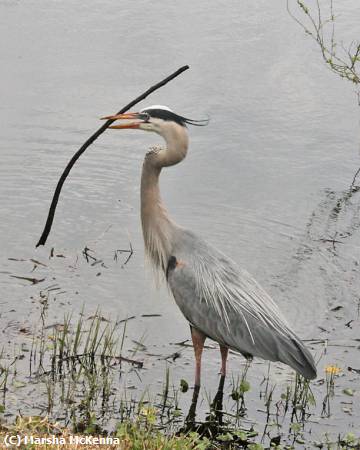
[78, 376]
[79, 368]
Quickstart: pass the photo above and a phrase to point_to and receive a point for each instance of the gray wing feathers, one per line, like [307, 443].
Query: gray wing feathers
[227, 305]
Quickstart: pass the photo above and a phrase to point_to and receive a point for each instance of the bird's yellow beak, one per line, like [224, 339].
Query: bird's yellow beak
[127, 116]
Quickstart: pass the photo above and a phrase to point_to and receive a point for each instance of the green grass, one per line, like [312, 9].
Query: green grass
[79, 362]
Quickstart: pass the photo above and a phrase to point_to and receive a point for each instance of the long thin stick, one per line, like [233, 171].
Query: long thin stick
[51, 214]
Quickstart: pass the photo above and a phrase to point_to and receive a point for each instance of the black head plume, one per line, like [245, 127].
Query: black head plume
[164, 113]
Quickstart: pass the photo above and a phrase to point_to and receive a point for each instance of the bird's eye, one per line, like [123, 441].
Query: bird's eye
[145, 117]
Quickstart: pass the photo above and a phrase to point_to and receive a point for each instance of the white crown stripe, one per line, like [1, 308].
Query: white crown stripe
[157, 107]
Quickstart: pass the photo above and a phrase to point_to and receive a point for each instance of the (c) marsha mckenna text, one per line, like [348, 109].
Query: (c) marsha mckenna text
[18, 440]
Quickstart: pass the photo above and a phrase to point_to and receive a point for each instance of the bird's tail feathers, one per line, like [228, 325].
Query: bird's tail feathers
[292, 351]
[302, 360]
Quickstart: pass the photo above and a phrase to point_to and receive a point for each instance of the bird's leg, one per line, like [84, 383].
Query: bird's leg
[224, 354]
[198, 339]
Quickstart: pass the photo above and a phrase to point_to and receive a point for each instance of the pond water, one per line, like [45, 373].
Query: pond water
[265, 181]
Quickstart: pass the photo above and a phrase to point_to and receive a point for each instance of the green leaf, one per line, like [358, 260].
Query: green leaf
[176, 413]
[225, 437]
[296, 427]
[18, 384]
[255, 447]
[350, 438]
[244, 386]
[242, 435]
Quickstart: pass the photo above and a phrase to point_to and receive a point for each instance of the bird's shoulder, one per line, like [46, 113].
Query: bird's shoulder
[194, 249]
[197, 265]
[197, 260]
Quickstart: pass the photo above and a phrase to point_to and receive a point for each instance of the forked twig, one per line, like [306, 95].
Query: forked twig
[87, 143]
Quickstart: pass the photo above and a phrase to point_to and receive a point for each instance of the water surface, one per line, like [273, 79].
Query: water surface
[260, 182]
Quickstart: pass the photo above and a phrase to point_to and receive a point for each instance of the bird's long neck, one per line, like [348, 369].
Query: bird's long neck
[158, 229]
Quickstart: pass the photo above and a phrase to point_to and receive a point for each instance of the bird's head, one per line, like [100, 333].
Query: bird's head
[163, 121]
[157, 118]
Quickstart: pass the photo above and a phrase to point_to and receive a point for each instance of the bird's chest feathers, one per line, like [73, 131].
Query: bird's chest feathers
[158, 232]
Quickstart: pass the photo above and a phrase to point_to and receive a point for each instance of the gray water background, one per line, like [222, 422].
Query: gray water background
[259, 181]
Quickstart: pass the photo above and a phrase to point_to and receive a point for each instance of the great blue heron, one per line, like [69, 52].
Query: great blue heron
[219, 300]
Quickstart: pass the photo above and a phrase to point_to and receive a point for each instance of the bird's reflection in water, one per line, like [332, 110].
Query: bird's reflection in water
[216, 408]
[214, 420]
